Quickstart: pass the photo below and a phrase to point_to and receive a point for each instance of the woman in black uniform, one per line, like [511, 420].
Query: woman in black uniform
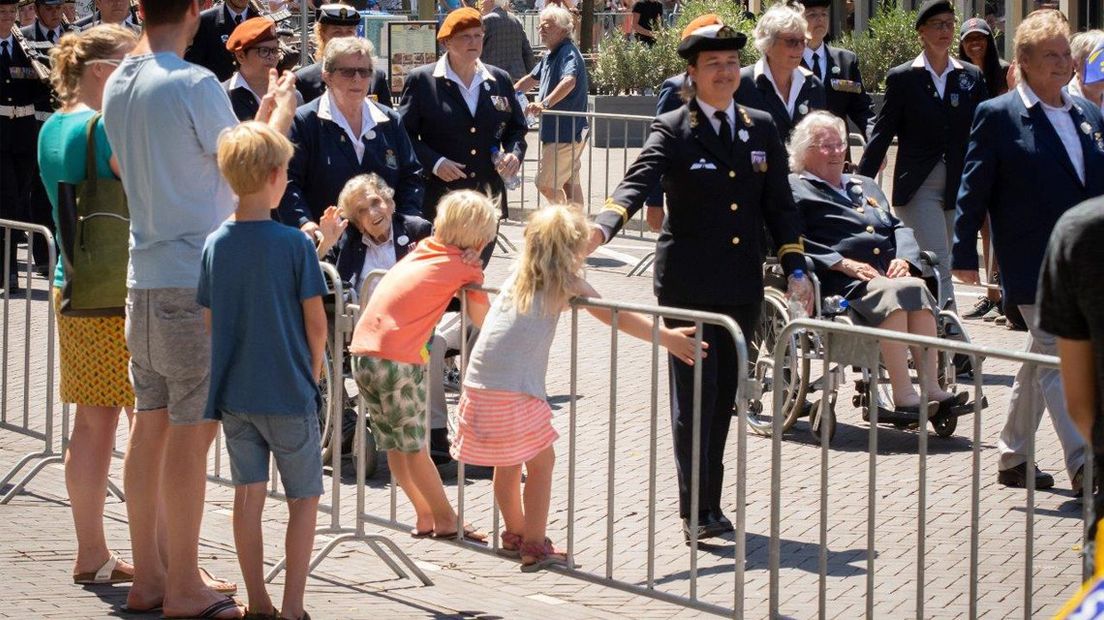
[723, 167]
[458, 111]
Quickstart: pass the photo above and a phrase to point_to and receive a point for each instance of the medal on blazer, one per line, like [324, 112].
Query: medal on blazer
[403, 240]
[803, 109]
[964, 81]
[759, 161]
[487, 86]
[693, 120]
[954, 100]
[371, 135]
[835, 70]
[502, 104]
[390, 160]
[1086, 128]
[743, 135]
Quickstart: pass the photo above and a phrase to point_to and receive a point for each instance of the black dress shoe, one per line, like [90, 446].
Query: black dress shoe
[439, 446]
[1017, 477]
[707, 527]
[723, 524]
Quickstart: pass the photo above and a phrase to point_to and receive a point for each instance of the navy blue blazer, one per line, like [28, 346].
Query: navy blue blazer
[406, 230]
[758, 92]
[928, 129]
[324, 161]
[208, 48]
[843, 85]
[711, 249]
[1018, 172]
[859, 227]
[440, 124]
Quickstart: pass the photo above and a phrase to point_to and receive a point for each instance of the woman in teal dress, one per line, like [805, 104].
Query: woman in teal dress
[94, 356]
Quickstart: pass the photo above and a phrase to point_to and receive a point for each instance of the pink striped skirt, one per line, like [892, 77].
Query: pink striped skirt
[499, 428]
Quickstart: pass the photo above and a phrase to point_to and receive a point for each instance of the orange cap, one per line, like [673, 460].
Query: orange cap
[709, 19]
[251, 32]
[460, 19]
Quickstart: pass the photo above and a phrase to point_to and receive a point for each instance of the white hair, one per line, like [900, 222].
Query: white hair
[1083, 43]
[802, 137]
[347, 46]
[778, 19]
[502, 4]
[559, 16]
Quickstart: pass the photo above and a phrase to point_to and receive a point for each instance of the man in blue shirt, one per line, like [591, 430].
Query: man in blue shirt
[563, 87]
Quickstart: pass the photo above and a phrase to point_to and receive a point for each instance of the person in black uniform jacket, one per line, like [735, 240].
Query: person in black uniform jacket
[780, 36]
[333, 21]
[459, 109]
[215, 26]
[929, 104]
[724, 170]
[256, 50]
[329, 152]
[111, 12]
[20, 89]
[838, 70]
[863, 253]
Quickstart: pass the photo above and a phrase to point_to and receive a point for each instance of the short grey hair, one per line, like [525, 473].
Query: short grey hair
[802, 137]
[502, 4]
[1083, 43]
[347, 46]
[778, 19]
[559, 16]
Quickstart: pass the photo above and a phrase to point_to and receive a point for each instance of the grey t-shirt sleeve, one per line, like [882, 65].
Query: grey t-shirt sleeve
[1060, 312]
[211, 112]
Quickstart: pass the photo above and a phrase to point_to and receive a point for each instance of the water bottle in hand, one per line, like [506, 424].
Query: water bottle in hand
[796, 306]
[511, 182]
[835, 305]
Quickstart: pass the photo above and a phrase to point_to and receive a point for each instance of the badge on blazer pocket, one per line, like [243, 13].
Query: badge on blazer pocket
[846, 86]
[759, 161]
[502, 104]
[702, 164]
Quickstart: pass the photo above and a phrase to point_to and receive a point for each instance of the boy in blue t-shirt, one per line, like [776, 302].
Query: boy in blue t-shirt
[262, 287]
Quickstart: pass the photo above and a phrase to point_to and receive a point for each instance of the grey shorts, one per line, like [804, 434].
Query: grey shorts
[293, 440]
[170, 352]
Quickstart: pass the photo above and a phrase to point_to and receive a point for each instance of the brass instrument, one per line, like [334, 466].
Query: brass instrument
[32, 54]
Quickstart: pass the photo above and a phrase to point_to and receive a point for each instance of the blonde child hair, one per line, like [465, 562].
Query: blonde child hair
[555, 238]
[248, 153]
[465, 219]
[361, 186]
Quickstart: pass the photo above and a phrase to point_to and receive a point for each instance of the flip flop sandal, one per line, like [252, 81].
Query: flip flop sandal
[470, 535]
[219, 585]
[108, 574]
[212, 611]
[140, 610]
[417, 534]
[544, 554]
[254, 615]
[511, 545]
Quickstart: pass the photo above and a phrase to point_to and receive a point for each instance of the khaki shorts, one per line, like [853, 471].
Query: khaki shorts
[560, 162]
[170, 352]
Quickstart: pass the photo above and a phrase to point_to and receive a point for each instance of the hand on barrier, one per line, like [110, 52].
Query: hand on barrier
[534, 109]
[654, 215]
[898, 268]
[450, 171]
[967, 276]
[680, 342]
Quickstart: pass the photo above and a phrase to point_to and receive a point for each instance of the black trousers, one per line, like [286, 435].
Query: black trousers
[18, 177]
[718, 397]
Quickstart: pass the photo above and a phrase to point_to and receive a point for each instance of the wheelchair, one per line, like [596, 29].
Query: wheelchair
[801, 385]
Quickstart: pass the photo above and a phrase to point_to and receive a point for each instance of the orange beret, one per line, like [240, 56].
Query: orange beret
[460, 19]
[709, 19]
[251, 32]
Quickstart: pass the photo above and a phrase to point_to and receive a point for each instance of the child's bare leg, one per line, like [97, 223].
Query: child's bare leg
[400, 469]
[507, 492]
[249, 500]
[425, 480]
[538, 494]
[298, 545]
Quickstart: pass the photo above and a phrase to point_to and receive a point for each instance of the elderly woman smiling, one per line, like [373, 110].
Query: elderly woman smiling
[862, 252]
[777, 83]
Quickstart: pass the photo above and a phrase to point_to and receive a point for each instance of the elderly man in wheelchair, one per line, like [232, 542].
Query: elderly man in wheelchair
[861, 254]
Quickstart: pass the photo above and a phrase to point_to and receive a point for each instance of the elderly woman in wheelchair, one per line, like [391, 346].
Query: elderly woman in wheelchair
[864, 254]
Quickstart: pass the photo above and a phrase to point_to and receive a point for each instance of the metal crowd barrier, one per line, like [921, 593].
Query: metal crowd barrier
[837, 337]
[21, 422]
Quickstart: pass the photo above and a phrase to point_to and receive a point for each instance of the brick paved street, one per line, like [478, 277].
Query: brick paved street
[36, 552]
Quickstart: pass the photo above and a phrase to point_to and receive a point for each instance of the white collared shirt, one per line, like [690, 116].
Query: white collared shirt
[237, 81]
[1062, 122]
[370, 116]
[377, 256]
[715, 122]
[940, 79]
[469, 93]
[798, 80]
[57, 31]
[841, 190]
[822, 59]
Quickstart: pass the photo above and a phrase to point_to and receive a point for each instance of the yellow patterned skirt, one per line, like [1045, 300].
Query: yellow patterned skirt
[94, 359]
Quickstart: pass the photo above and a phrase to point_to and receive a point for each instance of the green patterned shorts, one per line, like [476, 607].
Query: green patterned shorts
[395, 396]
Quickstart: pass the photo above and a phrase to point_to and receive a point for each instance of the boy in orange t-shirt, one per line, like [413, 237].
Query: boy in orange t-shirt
[390, 349]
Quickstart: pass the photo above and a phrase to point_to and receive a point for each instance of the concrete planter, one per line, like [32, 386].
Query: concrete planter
[621, 134]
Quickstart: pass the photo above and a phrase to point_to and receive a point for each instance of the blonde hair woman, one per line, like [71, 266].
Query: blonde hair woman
[93, 350]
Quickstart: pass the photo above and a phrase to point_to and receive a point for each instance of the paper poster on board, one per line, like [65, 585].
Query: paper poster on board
[410, 45]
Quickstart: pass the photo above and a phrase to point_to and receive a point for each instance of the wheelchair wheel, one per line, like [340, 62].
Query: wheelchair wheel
[794, 375]
[325, 421]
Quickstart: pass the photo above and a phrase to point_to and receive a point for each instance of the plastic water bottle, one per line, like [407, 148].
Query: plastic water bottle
[530, 119]
[795, 306]
[835, 305]
[511, 182]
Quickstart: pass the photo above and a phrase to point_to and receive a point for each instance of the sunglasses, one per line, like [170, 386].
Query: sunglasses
[351, 72]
